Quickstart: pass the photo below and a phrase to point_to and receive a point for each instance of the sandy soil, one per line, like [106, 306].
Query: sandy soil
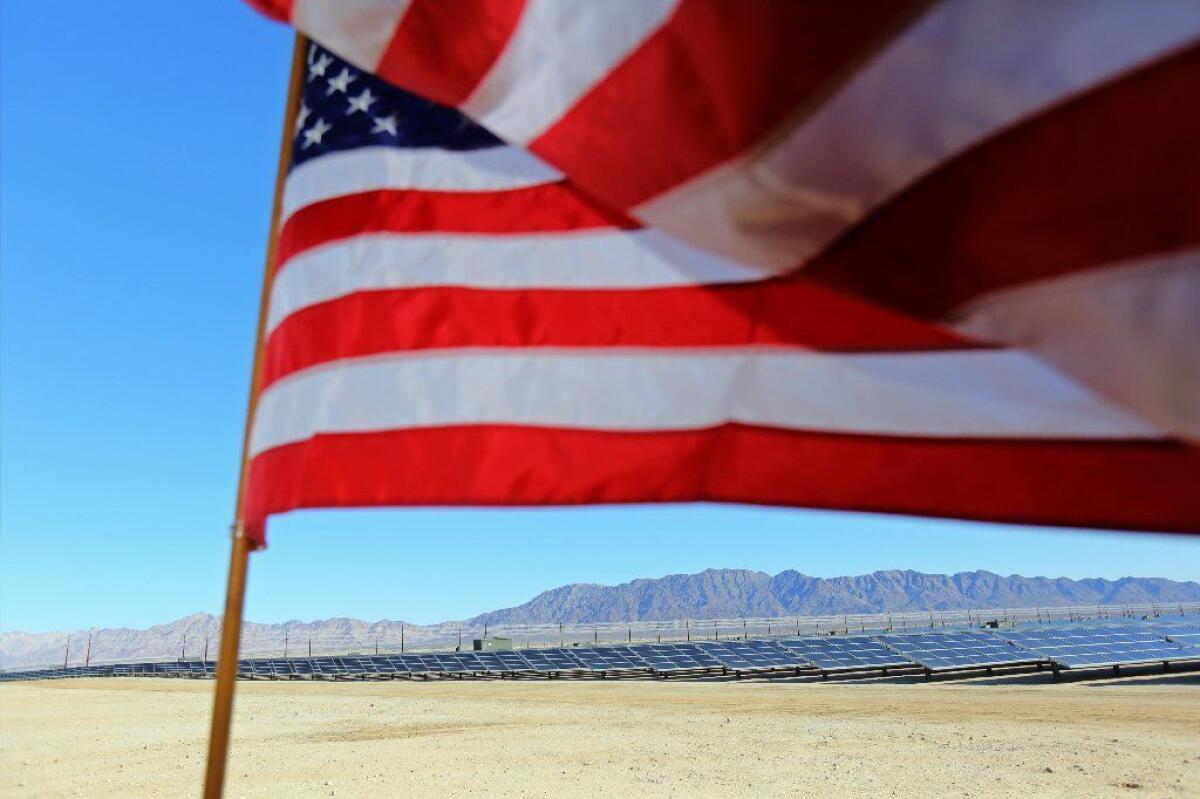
[975, 738]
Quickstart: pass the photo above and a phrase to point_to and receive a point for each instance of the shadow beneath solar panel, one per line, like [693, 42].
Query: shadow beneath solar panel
[1145, 674]
[1024, 675]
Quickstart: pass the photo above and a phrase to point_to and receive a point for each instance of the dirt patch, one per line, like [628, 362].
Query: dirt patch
[148, 737]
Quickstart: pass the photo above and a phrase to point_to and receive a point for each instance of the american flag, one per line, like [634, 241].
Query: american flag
[942, 261]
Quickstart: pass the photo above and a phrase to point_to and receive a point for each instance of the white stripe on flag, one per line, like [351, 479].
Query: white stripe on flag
[425, 168]
[981, 393]
[358, 31]
[965, 71]
[558, 52]
[1131, 331]
[604, 259]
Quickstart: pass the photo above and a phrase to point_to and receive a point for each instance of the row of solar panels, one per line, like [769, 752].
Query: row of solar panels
[1063, 647]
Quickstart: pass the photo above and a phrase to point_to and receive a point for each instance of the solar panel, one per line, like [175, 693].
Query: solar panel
[956, 650]
[327, 667]
[845, 653]
[778, 655]
[429, 663]
[458, 663]
[609, 658]
[552, 660]
[731, 657]
[488, 662]
[746, 655]
[303, 667]
[469, 662]
[1180, 633]
[357, 666]
[675, 657]
[1082, 647]
[281, 668]
[512, 661]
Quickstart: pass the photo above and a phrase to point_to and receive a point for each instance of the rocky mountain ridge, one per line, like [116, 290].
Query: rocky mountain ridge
[711, 594]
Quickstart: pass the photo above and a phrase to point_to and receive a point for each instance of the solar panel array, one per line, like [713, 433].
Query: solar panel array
[850, 653]
[1186, 634]
[606, 659]
[1069, 647]
[753, 655]
[957, 650]
[675, 657]
[1082, 647]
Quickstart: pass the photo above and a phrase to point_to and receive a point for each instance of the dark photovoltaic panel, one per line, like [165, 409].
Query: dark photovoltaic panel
[956, 650]
[1180, 633]
[456, 663]
[511, 660]
[732, 657]
[490, 661]
[552, 660]
[469, 662]
[282, 667]
[609, 658]
[675, 657]
[777, 654]
[845, 653]
[746, 655]
[396, 664]
[1080, 647]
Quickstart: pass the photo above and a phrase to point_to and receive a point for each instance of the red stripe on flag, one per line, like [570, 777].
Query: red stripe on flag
[441, 50]
[1148, 486]
[280, 10]
[1110, 176]
[374, 322]
[548, 207]
[709, 83]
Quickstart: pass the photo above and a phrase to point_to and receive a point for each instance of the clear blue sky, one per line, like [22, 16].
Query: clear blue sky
[137, 157]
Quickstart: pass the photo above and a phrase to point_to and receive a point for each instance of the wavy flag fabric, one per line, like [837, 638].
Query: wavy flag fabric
[938, 259]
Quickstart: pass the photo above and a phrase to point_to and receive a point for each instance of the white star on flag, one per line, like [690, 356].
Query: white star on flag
[361, 103]
[314, 134]
[339, 84]
[387, 123]
[317, 69]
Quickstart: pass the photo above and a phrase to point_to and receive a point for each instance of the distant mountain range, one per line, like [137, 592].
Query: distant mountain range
[734, 593]
[711, 594]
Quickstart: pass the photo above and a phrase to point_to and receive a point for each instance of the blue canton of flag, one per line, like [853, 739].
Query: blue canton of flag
[344, 108]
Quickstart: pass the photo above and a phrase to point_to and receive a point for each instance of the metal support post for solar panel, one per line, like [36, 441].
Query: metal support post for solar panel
[402, 636]
[87, 658]
[66, 653]
[235, 594]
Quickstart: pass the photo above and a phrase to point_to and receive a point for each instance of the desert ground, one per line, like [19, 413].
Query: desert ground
[986, 737]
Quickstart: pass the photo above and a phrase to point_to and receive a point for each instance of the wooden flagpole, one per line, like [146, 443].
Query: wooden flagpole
[235, 593]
